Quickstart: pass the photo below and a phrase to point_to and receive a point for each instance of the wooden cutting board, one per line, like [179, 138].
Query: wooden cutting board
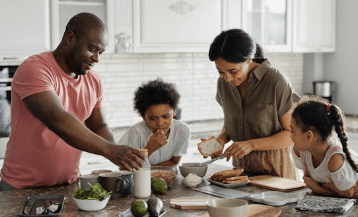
[193, 203]
[276, 183]
[257, 210]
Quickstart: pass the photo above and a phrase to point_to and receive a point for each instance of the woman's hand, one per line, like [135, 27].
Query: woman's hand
[238, 150]
[156, 141]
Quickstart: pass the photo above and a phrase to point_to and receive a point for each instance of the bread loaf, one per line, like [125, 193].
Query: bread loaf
[221, 175]
[209, 147]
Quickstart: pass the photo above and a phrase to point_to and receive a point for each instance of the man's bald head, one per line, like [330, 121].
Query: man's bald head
[82, 22]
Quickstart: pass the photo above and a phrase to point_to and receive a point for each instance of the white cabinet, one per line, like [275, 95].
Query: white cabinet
[25, 28]
[314, 25]
[291, 25]
[269, 23]
[63, 10]
[173, 25]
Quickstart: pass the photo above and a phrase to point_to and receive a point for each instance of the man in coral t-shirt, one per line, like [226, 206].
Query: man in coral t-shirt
[56, 112]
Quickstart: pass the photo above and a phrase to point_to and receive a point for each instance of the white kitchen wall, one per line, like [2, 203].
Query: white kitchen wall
[193, 73]
[341, 65]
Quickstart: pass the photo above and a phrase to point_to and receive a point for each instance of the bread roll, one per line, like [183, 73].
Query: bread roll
[209, 147]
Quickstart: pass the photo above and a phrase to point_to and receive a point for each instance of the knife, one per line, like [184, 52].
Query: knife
[28, 206]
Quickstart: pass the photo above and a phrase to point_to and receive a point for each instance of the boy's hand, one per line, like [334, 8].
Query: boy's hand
[156, 141]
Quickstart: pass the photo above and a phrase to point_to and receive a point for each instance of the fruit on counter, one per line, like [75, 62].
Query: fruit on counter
[159, 185]
[139, 208]
[155, 206]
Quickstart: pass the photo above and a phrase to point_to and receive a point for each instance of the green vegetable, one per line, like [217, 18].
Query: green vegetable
[139, 208]
[159, 185]
[96, 192]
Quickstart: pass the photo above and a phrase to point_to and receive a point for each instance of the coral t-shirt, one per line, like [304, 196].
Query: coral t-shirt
[35, 155]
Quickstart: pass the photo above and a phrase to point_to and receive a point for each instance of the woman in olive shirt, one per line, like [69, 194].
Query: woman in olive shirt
[256, 100]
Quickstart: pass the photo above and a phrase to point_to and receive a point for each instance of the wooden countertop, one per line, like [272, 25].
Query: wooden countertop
[12, 201]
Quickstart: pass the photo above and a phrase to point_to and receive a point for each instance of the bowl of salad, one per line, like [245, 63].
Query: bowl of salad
[91, 200]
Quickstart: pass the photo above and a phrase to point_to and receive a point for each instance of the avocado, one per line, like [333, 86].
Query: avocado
[159, 185]
[155, 206]
[139, 208]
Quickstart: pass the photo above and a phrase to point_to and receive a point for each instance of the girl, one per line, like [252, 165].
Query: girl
[165, 138]
[329, 167]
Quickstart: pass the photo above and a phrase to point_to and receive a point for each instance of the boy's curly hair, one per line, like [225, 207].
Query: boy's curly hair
[153, 93]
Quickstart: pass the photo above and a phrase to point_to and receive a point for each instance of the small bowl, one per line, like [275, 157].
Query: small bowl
[226, 207]
[91, 205]
[97, 172]
[193, 168]
[167, 173]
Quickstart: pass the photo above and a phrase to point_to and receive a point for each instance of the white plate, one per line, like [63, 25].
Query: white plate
[233, 185]
[274, 198]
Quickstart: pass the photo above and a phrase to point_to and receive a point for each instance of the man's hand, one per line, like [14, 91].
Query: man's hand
[156, 141]
[125, 157]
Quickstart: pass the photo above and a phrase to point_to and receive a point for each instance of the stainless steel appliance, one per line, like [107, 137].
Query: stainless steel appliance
[6, 75]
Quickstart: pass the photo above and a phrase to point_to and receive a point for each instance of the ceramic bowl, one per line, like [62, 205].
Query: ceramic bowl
[193, 168]
[226, 207]
[91, 205]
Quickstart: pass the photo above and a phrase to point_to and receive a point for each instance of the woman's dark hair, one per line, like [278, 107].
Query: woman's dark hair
[235, 46]
[153, 93]
[317, 114]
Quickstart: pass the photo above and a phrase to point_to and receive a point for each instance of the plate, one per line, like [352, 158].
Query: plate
[128, 213]
[274, 198]
[233, 185]
[39, 201]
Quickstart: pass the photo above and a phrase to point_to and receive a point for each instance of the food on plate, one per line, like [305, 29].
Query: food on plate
[159, 185]
[219, 176]
[155, 206]
[139, 208]
[209, 147]
[235, 180]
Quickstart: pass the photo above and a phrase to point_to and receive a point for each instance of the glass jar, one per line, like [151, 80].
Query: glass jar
[142, 178]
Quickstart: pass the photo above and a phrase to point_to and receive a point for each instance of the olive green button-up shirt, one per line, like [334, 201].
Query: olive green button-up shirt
[269, 96]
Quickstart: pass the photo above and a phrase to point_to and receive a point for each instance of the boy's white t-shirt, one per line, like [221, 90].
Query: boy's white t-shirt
[138, 135]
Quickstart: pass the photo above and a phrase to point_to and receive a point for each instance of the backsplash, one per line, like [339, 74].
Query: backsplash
[193, 73]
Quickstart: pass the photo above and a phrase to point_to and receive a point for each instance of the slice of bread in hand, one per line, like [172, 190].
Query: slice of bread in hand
[209, 147]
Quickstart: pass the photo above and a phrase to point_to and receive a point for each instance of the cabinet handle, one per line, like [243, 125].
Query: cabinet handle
[98, 162]
[14, 58]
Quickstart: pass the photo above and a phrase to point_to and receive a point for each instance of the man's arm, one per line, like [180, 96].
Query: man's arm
[97, 124]
[47, 107]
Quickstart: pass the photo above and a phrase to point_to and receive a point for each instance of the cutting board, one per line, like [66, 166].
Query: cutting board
[276, 183]
[257, 210]
[193, 203]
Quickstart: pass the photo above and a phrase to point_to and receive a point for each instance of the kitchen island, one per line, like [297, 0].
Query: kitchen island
[12, 201]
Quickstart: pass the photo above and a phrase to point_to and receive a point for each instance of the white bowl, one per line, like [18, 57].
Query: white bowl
[91, 205]
[193, 168]
[226, 207]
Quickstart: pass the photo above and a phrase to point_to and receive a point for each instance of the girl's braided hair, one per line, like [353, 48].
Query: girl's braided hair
[318, 115]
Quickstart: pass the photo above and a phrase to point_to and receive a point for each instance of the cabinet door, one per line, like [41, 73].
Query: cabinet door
[314, 24]
[25, 28]
[64, 10]
[269, 23]
[178, 25]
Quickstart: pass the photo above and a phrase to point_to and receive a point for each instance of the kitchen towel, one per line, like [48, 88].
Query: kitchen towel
[325, 204]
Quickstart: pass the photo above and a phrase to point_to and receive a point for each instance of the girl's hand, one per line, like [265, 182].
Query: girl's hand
[238, 150]
[312, 184]
[350, 193]
[156, 141]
